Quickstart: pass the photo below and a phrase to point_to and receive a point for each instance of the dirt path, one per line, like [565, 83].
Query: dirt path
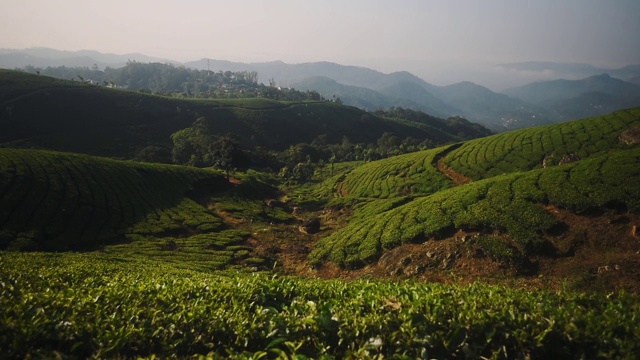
[438, 162]
[457, 178]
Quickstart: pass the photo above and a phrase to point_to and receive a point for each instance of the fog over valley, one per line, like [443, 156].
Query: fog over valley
[442, 42]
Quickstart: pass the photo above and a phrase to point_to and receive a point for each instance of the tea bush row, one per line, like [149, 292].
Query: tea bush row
[527, 149]
[403, 175]
[61, 201]
[89, 306]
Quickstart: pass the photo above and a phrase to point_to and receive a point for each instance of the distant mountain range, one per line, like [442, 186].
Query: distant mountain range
[43, 57]
[572, 71]
[530, 105]
[570, 99]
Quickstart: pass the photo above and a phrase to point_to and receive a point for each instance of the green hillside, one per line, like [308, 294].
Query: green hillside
[508, 203]
[41, 112]
[508, 196]
[106, 258]
[408, 174]
[527, 149]
[61, 202]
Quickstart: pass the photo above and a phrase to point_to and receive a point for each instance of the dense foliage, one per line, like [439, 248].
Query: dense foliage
[178, 81]
[81, 306]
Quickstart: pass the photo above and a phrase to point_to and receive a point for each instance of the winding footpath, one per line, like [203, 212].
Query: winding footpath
[457, 178]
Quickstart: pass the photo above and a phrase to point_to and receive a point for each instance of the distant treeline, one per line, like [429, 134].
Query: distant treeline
[178, 81]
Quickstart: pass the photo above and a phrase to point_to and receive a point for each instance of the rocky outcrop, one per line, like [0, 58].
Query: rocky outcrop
[630, 136]
[568, 158]
[565, 159]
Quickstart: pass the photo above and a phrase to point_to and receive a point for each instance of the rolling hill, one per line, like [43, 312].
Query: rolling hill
[519, 197]
[504, 191]
[72, 116]
[60, 202]
[547, 92]
[371, 89]
[522, 244]
[536, 227]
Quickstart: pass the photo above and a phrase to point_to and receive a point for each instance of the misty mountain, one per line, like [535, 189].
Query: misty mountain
[591, 104]
[572, 70]
[415, 92]
[361, 97]
[525, 106]
[546, 92]
[496, 111]
[43, 57]
[474, 102]
[291, 74]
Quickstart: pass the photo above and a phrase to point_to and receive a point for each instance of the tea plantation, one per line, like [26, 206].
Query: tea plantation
[527, 149]
[59, 202]
[90, 306]
[103, 258]
[511, 189]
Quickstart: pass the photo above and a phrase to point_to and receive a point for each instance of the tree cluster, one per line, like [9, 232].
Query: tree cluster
[178, 81]
[301, 161]
[198, 146]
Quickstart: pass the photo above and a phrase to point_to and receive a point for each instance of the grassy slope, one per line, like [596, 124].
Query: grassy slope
[60, 201]
[508, 203]
[524, 150]
[408, 174]
[68, 116]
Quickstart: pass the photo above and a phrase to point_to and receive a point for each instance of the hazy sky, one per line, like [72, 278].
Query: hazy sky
[442, 41]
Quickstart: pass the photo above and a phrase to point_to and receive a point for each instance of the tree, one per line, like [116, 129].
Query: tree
[314, 95]
[225, 153]
[187, 147]
[300, 153]
[387, 143]
[199, 146]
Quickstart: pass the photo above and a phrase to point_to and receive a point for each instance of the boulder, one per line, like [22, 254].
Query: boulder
[310, 226]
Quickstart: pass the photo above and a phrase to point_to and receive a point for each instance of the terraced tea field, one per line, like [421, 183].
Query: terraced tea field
[527, 149]
[409, 174]
[59, 201]
[409, 199]
[508, 203]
